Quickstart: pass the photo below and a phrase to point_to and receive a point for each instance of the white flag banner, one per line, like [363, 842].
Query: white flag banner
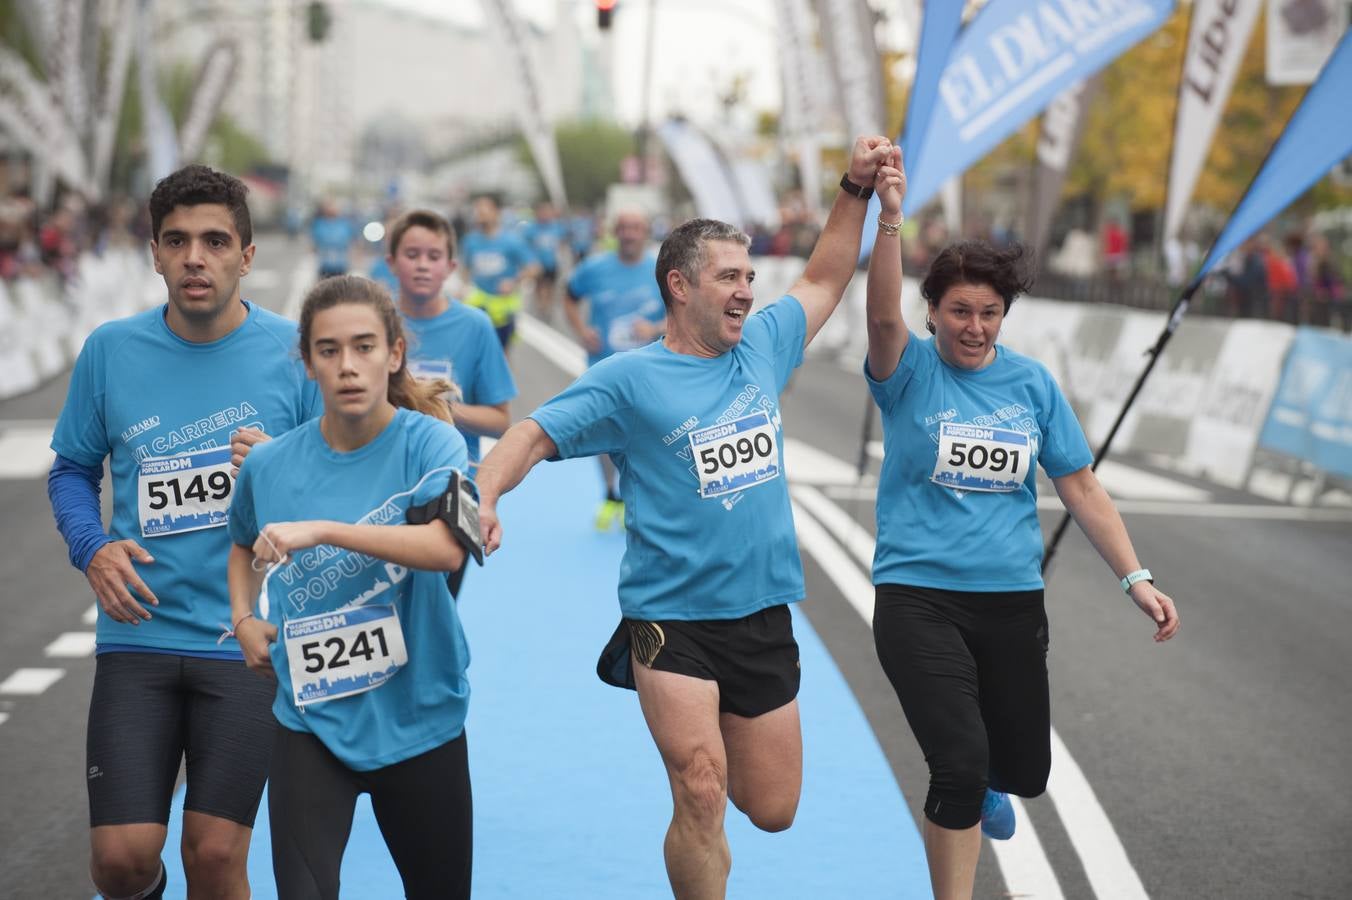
[507, 29]
[799, 68]
[1300, 36]
[65, 66]
[702, 170]
[1217, 38]
[856, 68]
[213, 81]
[157, 125]
[30, 118]
[120, 28]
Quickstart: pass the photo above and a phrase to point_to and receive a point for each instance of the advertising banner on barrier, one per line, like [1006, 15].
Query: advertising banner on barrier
[1007, 65]
[1311, 416]
[1300, 36]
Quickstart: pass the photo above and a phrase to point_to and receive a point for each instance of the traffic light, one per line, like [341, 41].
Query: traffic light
[604, 10]
[318, 20]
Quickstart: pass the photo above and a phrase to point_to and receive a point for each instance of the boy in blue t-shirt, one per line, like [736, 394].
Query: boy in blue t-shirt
[332, 235]
[449, 340]
[711, 560]
[547, 234]
[618, 292]
[160, 396]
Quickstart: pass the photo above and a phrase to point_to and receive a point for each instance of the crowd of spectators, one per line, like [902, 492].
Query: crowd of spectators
[40, 243]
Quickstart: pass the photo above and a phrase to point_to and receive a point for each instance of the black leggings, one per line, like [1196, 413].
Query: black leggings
[422, 806]
[970, 670]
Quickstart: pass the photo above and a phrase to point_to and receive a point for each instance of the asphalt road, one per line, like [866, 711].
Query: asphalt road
[1212, 766]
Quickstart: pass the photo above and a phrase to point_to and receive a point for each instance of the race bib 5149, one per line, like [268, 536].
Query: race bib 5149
[182, 493]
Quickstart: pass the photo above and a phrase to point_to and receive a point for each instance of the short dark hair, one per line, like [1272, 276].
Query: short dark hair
[195, 185]
[683, 250]
[421, 218]
[1005, 271]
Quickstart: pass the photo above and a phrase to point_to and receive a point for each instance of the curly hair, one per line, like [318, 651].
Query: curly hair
[683, 250]
[195, 185]
[1007, 271]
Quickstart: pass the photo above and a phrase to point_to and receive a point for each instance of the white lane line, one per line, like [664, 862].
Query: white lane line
[851, 583]
[30, 682]
[854, 536]
[91, 615]
[4, 717]
[1027, 871]
[1123, 481]
[1160, 508]
[71, 645]
[805, 464]
[25, 452]
[1111, 874]
[301, 279]
[562, 352]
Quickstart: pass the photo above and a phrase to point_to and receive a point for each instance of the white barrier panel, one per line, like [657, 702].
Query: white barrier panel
[42, 330]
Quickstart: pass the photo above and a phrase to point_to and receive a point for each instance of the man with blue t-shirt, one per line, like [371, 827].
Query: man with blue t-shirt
[449, 340]
[332, 235]
[499, 261]
[623, 310]
[711, 561]
[160, 395]
[546, 235]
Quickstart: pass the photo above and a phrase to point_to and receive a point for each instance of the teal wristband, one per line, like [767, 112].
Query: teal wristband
[1133, 577]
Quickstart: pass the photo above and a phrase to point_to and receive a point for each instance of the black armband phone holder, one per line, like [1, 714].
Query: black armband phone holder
[458, 507]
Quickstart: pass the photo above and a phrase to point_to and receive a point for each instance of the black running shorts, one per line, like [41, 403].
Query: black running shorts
[753, 659]
[150, 711]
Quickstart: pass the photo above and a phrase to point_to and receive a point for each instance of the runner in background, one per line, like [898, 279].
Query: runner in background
[332, 235]
[159, 395]
[547, 234]
[614, 304]
[959, 619]
[355, 626]
[711, 560]
[449, 340]
[499, 263]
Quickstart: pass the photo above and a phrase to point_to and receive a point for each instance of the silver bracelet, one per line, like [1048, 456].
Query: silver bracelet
[891, 229]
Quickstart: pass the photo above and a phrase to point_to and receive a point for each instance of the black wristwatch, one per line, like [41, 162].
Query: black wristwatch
[849, 187]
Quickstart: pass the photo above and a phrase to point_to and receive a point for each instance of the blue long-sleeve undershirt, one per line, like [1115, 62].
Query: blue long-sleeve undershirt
[74, 492]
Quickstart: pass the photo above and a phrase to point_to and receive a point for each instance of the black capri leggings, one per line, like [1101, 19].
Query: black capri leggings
[422, 806]
[970, 670]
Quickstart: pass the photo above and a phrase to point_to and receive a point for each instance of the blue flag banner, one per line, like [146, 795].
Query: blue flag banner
[1311, 415]
[939, 26]
[1318, 136]
[1008, 64]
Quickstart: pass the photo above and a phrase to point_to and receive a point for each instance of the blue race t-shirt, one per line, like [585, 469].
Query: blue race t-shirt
[491, 259]
[618, 296]
[163, 408]
[544, 239]
[299, 477]
[461, 346]
[698, 443]
[332, 237]
[980, 432]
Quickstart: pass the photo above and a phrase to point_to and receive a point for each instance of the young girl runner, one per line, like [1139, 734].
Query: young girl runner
[354, 617]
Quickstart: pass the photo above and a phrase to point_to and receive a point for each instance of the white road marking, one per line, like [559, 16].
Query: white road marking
[805, 464]
[71, 645]
[562, 352]
[851, 583]
[1111, 874]
[91, 615]
[1027, 871]
[1123, 481]
[25, 452]
[301, 278]
[262, 279]
[30, 682]
[1023, 863]
[4, 717]
[1336, 514]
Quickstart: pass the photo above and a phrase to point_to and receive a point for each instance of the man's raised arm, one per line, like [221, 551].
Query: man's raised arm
[836, 254]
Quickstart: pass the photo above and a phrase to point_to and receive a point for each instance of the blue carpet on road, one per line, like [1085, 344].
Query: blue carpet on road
[570, 798]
